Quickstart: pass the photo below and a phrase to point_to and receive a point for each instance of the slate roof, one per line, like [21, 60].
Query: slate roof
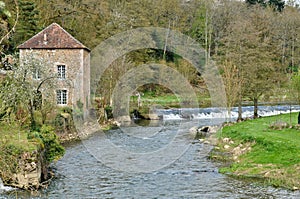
[53, 37]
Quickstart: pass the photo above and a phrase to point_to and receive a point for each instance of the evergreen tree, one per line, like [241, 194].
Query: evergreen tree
[28, 23]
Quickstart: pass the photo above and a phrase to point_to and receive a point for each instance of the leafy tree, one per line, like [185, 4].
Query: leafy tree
[261, 67]
[249, 42]
[276, 4]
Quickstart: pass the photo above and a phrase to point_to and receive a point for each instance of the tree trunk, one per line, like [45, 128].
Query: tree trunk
[240, 111]
[166, 42]
[255, 100]
[32, 119]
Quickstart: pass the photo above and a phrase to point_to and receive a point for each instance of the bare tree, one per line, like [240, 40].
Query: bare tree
[232, 83]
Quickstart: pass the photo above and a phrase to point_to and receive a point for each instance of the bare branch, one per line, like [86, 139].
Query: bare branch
[15, 24]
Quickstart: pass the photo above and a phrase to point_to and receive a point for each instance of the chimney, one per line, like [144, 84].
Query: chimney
[45, 39]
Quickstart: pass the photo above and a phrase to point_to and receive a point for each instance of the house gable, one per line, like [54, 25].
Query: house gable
[53, 37]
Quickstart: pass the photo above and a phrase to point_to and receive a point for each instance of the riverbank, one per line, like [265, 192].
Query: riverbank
[25, 155]
[265, 149]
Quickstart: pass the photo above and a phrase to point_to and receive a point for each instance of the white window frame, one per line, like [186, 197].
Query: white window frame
[62, 97]
[61, 71]
[36, 74]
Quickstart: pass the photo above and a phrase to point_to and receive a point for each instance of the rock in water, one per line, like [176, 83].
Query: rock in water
[204, 129]
[199, 132]
[193, 131]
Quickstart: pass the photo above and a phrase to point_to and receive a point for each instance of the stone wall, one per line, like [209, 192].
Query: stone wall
[31, 171]
[86, 77]
[77, 72]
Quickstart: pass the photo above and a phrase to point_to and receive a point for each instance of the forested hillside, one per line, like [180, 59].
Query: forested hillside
[255, 43]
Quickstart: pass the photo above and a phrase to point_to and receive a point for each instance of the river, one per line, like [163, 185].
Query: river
[79, 174]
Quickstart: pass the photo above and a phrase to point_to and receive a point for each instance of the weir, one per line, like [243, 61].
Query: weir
[213, 113]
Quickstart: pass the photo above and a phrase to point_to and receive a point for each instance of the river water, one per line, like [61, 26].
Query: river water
[82, 174]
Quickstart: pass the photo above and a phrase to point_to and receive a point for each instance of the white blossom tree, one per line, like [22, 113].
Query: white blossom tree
[21, 91]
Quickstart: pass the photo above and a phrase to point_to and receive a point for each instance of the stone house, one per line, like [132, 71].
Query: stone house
[66, 60]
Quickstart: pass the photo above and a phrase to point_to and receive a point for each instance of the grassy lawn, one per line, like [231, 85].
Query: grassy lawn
[165, 100]
[13, 135]
[13, 143]
[265, 153]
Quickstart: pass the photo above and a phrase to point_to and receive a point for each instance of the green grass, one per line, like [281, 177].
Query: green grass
[13, 143]
[167, 100]
[274, 154]
[163, 100]
[12, 134]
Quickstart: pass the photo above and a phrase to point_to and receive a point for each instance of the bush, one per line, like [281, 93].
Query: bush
[66, 110]
[58, 122]
[53, 149]
[109, 112]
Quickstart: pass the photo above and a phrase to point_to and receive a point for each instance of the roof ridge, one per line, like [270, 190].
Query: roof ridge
[68, 34]
[63, 41]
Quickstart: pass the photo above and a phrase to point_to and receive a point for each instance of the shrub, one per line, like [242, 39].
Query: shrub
[53, 149]
[109, 112]
[66, 110]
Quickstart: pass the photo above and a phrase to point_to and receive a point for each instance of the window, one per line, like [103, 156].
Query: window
[36, 74]
[61, 71]
[61, 96]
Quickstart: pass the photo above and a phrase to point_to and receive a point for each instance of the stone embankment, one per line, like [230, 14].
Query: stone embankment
[30, 173]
